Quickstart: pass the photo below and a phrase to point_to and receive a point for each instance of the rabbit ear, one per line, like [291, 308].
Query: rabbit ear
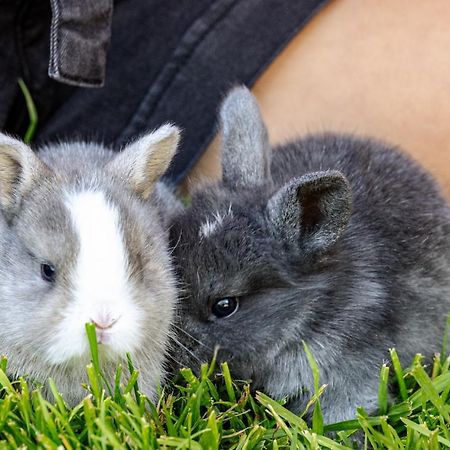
[245, 145]
[312, 210]
[19, 169]
[143, 162]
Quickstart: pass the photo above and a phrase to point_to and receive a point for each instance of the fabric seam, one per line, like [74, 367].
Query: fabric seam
[172, 67]
[54, 38]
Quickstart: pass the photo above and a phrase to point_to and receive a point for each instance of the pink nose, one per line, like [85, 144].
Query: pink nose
[103, 323]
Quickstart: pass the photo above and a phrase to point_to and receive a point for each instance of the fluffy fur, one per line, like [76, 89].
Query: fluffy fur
[338, 241]
[94, 216]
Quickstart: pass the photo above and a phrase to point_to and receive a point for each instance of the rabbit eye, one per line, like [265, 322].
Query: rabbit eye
[225, 307]
[48, 272]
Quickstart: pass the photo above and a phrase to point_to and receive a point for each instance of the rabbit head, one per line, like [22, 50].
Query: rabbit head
[338, 241]
[81, 242]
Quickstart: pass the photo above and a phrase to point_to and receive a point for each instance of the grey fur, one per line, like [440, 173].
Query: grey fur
[36, 227]
[370, 271]
[240, 165]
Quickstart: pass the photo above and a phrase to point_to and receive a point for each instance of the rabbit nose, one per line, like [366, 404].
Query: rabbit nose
[104, 322]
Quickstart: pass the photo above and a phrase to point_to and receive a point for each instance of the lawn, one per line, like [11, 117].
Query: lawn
[211, 411]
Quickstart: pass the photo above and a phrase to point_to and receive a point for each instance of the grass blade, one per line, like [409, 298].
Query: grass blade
[32, 112]
[383, 390]
[399, 374]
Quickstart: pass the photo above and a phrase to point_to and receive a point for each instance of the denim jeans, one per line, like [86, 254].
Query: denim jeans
[136, 64]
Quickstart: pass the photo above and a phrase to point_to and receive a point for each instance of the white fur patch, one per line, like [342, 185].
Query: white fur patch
[100, 286]
[208, 228]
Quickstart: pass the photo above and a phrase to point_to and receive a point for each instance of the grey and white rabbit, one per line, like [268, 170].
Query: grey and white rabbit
[335, 240]
[81, 240]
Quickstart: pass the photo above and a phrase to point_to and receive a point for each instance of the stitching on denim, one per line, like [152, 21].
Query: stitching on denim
[77, 79]
[54, 38]
[180, 57]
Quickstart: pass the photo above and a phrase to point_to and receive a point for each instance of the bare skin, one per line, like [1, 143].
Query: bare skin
[378, 68]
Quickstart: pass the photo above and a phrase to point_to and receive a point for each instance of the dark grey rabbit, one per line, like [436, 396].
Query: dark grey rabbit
[338, 241]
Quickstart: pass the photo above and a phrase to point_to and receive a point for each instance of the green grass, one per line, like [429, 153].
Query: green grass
[32, 112]
[213, 411]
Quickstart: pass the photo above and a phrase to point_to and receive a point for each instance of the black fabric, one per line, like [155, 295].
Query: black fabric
[169, 60]
[79, 38]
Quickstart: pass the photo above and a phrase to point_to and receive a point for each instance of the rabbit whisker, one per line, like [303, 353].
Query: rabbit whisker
[191, 337]
[185, 348]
